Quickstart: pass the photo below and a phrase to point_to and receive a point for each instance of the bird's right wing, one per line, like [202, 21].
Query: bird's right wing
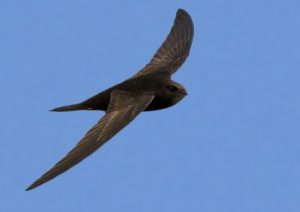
[122, 109]
[175, 49]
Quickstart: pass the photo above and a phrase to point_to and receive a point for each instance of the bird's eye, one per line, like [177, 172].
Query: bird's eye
[172, 88]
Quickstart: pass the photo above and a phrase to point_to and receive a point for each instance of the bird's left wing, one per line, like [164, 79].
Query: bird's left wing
[122, 109]
[175, 49]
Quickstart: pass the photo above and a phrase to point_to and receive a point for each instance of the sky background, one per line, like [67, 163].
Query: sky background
[231, 145]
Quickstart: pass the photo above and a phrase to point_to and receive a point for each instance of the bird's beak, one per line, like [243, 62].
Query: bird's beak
[184, 92]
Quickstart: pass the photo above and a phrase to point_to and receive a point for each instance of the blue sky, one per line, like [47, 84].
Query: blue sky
[231, 145]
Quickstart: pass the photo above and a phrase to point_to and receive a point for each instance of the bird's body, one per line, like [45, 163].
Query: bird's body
[149, 89]
[150, 83]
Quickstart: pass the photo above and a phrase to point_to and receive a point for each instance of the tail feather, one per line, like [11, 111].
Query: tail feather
[68, 108]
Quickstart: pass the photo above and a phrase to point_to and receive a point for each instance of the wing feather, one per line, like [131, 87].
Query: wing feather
[122, 109]
[175, 49]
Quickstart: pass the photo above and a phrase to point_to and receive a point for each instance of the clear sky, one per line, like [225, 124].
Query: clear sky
[231, 145]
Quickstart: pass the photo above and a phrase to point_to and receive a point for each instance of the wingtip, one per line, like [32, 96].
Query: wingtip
[37, 183]
[183, 15]
[29, 188]
[182, 11]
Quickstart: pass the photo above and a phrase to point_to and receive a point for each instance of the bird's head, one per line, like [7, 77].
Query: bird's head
[172, 92]
[175, 89]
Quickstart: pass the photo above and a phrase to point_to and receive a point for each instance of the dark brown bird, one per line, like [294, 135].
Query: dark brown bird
[149, 89]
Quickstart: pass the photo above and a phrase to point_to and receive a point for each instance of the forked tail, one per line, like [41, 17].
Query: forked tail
[69, 108]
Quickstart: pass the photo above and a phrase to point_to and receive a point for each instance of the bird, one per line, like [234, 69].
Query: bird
[149, 89]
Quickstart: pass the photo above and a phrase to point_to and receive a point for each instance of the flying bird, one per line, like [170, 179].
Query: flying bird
[149, 89]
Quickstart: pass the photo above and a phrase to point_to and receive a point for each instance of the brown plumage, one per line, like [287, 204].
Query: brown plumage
[149, 89]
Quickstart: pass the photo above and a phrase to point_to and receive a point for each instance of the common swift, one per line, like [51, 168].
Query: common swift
[149, 89]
